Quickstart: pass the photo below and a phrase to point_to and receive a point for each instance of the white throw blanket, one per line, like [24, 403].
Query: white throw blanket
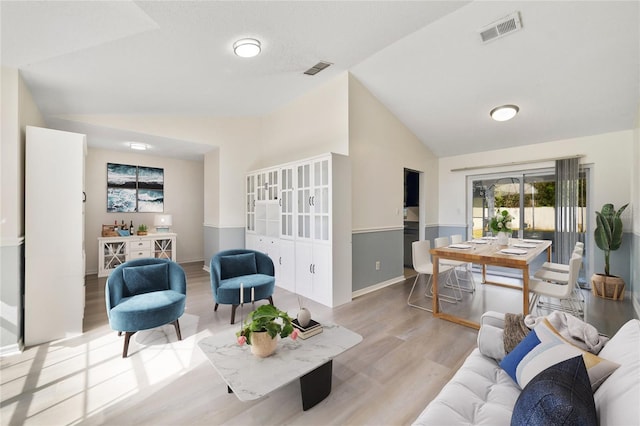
[579, 333]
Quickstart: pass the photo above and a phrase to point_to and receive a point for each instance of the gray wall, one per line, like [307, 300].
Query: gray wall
[369, 247]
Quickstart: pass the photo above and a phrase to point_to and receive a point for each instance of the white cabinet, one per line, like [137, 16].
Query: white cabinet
[313, 256]
[54, 254]
[114, 251]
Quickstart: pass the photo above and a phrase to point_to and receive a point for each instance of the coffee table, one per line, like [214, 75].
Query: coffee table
[250, 377]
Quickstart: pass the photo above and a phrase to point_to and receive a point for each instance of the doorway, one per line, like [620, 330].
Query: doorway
[411, 213]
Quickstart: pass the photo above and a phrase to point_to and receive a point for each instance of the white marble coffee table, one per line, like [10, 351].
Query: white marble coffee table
[251, 377]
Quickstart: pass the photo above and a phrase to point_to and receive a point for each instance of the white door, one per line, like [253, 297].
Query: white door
[304, 269]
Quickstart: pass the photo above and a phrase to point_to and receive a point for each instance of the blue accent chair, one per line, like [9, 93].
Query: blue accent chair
[145, 293]
[252, 268]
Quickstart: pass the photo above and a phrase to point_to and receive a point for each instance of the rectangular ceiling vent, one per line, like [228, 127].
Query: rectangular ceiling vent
[318, 67]
[501, 27]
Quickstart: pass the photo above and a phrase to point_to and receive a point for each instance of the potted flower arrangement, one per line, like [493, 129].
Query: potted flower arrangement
[608, 236]
[501, 225]
[261, 328]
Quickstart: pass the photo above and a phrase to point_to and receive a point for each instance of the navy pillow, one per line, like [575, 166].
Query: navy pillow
[559, 395]
[237, 264]
[146, 278]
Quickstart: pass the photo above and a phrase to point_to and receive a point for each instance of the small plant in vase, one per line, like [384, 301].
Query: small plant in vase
[608, 236]
[142, 230]
[501, 225]
[304, 315]
[261, 328]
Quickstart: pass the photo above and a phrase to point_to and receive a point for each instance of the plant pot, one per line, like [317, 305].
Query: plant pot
[142, 232]
[263, 345]
[607, 286]
[503, 239]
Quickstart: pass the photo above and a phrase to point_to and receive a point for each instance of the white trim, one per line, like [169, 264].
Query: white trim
[11, 242]
[454, 225]
[211, 225]
[381, 229]
[378, 286]
[10, 350]
[206, 268]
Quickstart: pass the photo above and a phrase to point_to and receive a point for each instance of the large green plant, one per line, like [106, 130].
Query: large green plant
[266, 318]
[608, 233]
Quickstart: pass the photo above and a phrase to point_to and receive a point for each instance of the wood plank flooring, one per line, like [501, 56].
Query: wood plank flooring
[404, 360]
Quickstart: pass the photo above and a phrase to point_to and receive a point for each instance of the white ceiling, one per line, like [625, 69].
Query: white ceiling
[573, 69]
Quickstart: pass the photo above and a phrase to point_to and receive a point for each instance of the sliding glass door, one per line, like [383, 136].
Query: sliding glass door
[530, 197]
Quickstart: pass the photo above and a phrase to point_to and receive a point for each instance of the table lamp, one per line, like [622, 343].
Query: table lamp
[162, 222]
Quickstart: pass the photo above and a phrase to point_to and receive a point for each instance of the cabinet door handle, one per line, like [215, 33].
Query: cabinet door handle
[311, 268]
[313, 200]
[84, 197]
[280, 260]
[310, 201]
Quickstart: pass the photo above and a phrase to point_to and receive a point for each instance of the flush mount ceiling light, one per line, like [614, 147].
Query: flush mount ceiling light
[138, 146]
[247, 47]
[504, 112]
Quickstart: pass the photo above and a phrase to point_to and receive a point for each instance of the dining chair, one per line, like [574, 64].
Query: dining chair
[423, 265]
[454, 264]
[561, 267]
[562, 292]
[464, 267]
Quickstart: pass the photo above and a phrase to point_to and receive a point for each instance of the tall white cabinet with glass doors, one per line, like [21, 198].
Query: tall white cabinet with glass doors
[314, 241]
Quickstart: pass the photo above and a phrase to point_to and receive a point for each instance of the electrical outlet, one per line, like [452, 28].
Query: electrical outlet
[377, 265]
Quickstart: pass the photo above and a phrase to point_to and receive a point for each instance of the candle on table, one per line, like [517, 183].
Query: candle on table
[253, 294]
[241, 293]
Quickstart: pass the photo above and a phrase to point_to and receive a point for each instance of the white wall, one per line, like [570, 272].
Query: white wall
[380, 148]
[238, 140]
[313, 124]
[183, 199]
[212, 187]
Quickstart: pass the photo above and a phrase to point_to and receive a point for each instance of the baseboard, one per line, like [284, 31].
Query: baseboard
[206, 268]
[378, 286]
[10, 350]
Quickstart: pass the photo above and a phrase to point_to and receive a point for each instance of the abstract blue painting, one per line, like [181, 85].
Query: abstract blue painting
[134, 188]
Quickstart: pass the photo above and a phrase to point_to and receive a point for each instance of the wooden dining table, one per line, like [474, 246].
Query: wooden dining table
[517, 255]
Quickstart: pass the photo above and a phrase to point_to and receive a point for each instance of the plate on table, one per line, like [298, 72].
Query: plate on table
[480, 241]
[525, 245]
[513, 251]
[533, 241]
[460, 246]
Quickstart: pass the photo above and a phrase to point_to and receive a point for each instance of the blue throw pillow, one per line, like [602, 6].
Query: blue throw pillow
[544, 347]
[559, 395]
[237, 265]
[147, 278]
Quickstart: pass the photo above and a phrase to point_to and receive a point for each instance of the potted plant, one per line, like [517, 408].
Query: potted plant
[262, 327]
[608, 236]
[142, 230]
[501, 225]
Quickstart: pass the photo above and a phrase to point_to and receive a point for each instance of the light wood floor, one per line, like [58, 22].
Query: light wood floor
[404, 360]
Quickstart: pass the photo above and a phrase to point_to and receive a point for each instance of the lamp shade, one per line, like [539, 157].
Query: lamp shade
[162, 220]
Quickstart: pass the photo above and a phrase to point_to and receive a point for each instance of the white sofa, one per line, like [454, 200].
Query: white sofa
[482, 393]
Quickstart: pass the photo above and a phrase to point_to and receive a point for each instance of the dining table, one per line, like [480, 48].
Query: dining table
[518, 254]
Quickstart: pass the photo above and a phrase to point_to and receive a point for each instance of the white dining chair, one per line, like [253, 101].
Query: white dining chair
[452, 283]
[424, 266]
[561, 267]
[465, 268]
[563, 292]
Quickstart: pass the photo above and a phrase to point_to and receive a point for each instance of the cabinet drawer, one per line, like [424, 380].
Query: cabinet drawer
[139, 245]
[136, 254]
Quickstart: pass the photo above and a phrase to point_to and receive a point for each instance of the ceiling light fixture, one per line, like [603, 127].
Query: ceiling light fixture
[247, 47]
[138, 146]
[504, 112]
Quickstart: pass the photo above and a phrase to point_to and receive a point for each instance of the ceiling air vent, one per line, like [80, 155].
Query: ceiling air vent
[317, 68]
[501, 27]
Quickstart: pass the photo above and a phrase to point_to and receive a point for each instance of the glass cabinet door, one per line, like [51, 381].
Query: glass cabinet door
[304, 201]
[320, 200]
[251, 202]
[286, 202]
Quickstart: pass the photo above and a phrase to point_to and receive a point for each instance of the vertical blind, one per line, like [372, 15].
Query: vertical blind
[567, 190]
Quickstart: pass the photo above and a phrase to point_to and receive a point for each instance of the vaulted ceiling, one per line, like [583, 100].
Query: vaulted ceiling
[573, 68]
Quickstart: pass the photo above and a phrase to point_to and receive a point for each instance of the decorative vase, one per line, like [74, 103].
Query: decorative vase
[304, 317]
[607, 286]
[263, 345]
[503, 238]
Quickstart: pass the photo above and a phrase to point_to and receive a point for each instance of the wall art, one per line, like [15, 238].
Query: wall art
[134, 189]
